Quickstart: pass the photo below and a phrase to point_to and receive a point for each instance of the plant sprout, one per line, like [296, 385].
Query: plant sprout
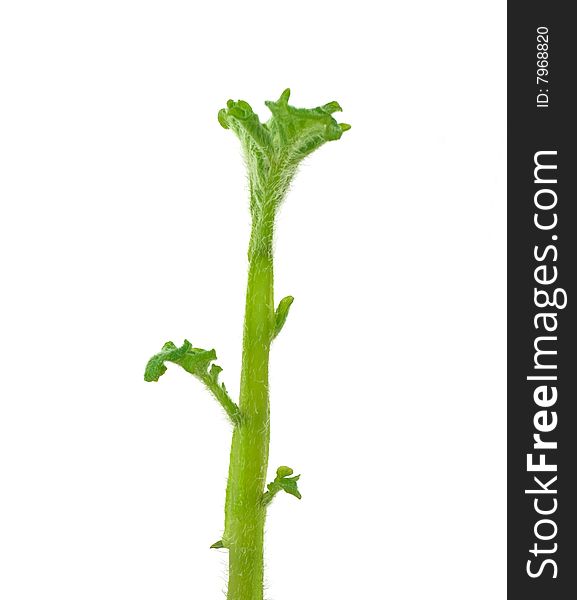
[272, 152]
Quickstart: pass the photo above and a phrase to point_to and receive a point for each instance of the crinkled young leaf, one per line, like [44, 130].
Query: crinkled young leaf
[193, 360]
[197, 362]
[240, 117]
[274, 149]
[296, 132]
[282, 482]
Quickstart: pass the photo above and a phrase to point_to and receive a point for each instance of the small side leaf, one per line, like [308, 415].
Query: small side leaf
[218, 545]
[193, 360]
[289, 485]
[281, 314]
[282, 482]
[197, 362]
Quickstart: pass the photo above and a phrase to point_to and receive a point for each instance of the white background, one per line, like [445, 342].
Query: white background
[124, 224]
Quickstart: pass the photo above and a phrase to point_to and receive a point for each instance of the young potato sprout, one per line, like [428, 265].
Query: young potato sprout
[272, 152]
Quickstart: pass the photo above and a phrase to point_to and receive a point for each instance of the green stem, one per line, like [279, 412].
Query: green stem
[231, 409]
[245, 512]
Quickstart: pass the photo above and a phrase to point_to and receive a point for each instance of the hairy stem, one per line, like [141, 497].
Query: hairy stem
[245, 512]
[272, 152]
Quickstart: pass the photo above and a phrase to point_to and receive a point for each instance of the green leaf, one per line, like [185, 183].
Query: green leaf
[300, 131]
[218, 545]
[274, 149]
[240, 117]
[197, 362]
[193, 360]
[281, 314]
[282, 482]
[289, 485]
